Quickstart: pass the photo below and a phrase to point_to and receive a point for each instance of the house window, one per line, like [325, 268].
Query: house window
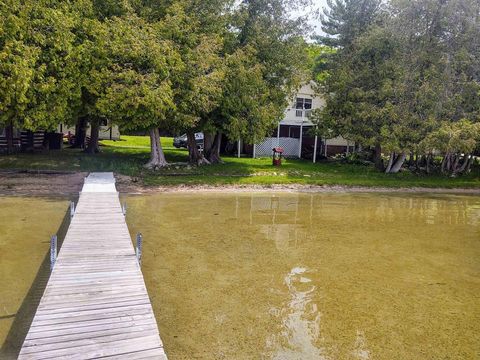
[298, 113]
[302, 104]
[307, 104]
[103, 122]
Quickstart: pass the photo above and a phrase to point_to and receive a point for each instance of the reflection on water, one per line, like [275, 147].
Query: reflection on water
[300, 320]
[26, 225]
[360, 352]
[303, 276]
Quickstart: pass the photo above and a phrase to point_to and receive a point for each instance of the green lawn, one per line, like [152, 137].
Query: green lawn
[137, 142]
[128, 155]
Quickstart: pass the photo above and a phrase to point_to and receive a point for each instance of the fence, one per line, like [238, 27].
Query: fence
[289, 145]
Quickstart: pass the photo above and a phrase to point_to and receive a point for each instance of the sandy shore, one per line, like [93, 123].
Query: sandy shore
[70, 183]
[41, 183]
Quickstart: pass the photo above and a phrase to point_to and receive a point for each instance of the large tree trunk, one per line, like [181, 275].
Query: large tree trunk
[195, 156]
[445, 161]
[453, 164]
[80, 133]
[398, 163]
[377, 157]
[469, 164]
[463, 167]
[9, 136]
[427, 163]
[157, 157]
[448, 165]
[208, 139]
[92, 147]
[213, 152]
[456, 161]
[390, 162]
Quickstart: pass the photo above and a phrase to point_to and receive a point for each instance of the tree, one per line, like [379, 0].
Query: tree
[246, 110]
[195, 29]
[265, 60]
[343, 21]
[37, 69]
[360, 95]
[91, 18]
[392, 83]
[456, 142]
[319, 56]
[319, 60]
[136, 79]
[440, 68]
[92, 43]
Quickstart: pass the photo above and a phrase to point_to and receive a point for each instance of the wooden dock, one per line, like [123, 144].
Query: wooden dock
[95, 304]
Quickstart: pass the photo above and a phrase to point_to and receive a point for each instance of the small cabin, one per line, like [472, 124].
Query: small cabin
[107, 130]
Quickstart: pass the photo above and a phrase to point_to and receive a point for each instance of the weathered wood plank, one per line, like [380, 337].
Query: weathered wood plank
[101, 349]
[95, 304]
[86, 330]
[62, 340]
[37, 346]
[59, 328]
[78, 307]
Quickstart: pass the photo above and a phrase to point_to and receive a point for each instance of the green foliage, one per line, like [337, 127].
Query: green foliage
[461, 137]
[343, 21]
[359, 93]
[394, 81]
[135, 77]
[213, 65]
[319, 57]
[38, 74]
[266, 60]
[197, 83]
[245, 110]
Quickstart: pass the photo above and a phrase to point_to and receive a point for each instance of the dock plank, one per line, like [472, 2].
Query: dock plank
[95, 304]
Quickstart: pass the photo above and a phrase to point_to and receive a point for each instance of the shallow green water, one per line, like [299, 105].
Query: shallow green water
[300, 276]
[26, 225]
[281, 276]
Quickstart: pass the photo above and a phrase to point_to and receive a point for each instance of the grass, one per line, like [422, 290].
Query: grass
[128, 155]
[137, 142]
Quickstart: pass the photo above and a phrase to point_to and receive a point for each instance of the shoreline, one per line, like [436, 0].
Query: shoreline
[292, 188]
[38, 183]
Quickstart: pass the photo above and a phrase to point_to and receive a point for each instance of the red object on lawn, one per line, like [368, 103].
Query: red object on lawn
[277, 156]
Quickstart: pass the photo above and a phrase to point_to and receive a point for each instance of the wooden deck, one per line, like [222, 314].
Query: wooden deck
[95, 304]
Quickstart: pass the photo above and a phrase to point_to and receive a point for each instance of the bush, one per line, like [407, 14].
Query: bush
[356, 158]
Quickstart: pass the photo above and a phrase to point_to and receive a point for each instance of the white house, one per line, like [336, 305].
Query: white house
[293, 133]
